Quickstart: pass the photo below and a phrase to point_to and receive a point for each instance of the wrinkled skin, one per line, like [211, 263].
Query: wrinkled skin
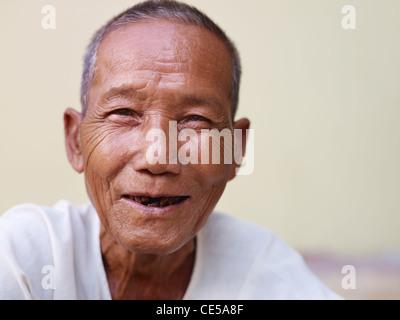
[150, 73]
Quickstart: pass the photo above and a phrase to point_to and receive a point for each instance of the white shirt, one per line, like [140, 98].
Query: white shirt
[54, 253]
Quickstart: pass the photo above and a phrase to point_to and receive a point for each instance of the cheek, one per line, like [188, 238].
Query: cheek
[212, 178]
[105, 156]
[213, 174]
[216, 147]
[214, 168]
[105, 152]
[99, 195]
[208, 159]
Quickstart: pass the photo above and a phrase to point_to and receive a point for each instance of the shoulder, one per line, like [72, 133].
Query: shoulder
[24, 215]
[34, 238]
[28, 225]
[227, 232]
[262, 265]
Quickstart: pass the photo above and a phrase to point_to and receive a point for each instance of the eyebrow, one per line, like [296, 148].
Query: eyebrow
[118, 92]
[198, 100]
[129, 92]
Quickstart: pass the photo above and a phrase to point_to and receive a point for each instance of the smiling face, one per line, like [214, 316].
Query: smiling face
[148, 74]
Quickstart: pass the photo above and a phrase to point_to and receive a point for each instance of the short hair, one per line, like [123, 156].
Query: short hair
[151, 10]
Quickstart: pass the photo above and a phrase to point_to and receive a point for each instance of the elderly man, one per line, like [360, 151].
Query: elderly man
[150, 231]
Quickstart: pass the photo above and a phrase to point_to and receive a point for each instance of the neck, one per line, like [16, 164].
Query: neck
[140, 276]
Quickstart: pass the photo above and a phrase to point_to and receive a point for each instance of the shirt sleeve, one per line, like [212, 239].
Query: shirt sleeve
[25, 251]
[279, 272]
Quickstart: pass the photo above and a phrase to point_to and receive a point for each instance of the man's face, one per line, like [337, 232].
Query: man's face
[148, 74]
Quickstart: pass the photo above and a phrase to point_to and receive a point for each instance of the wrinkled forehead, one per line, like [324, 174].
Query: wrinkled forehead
[164, 49]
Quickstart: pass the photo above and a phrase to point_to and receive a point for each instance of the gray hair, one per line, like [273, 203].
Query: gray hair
[158, 9]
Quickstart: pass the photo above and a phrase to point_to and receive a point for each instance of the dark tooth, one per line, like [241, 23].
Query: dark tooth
[163, 202]
[156, 202]
[152, 204]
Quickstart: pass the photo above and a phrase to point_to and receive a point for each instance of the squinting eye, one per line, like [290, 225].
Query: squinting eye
[197, 118]
[124, 112]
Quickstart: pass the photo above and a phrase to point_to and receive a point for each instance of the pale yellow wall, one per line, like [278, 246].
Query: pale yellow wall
[324, 103]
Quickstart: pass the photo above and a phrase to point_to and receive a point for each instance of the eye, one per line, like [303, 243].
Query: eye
[124, 116]
[124, 112]
[197, 118]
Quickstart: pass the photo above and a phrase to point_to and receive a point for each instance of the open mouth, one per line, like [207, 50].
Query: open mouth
[159, 202]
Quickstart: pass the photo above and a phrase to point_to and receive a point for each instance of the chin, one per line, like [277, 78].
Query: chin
[151, 244]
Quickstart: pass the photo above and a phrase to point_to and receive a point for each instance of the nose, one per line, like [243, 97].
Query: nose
[158, 148]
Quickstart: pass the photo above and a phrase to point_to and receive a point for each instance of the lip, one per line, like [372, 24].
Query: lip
[153, 210]
[155, 195]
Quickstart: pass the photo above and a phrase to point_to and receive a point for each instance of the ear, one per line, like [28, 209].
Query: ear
[72, 122]
[242, 125]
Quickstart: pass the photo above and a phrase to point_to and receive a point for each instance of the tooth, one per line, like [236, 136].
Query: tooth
[157, 202]
[137, 199]
[152, 204]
